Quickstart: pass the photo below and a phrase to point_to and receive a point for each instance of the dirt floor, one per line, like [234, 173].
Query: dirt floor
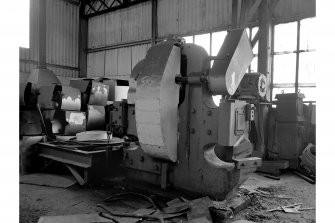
[36, 201]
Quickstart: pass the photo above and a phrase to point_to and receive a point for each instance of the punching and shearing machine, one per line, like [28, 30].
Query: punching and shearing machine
[176, 135]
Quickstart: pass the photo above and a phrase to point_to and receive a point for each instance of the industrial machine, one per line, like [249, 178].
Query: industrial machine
[176, 136]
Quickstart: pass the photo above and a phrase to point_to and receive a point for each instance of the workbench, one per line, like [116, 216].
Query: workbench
[81, 158]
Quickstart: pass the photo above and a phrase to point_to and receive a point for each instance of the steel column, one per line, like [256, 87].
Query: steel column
[42, 53]
[82, 41]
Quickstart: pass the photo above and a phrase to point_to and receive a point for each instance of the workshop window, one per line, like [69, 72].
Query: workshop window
[294, 59]
[188, 39]
[23, 25]
[254, 63]
[204, 41]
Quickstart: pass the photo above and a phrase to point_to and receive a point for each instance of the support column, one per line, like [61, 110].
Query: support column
[265, 67]
[265, 39]
[154, 29]
[42, 55]
[82, 40]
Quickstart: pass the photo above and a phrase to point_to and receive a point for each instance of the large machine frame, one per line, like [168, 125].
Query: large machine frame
[213, 150]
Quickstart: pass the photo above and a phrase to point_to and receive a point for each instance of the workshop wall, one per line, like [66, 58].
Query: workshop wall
[174, 18]
[62, 39]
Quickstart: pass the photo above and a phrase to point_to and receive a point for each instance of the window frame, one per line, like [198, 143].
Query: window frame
[296, 85]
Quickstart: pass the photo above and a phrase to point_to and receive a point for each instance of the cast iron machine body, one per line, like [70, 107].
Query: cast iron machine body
[185, 141]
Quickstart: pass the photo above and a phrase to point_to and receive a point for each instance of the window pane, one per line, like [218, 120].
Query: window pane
[255, 49]
[23, 11]
[188, 39]
[203, 40]
[285, 37]
[310, 93]
[254, 65]
[307, 67]
[284, 68]
[307, 34]
[217, 41]
[248, 32]
[276, 91]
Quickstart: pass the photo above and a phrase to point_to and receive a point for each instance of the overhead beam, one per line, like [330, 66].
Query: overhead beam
[112, 7]
[251, 13]
[42, 46]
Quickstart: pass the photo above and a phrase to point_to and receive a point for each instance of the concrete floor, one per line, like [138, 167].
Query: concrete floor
[36, 201]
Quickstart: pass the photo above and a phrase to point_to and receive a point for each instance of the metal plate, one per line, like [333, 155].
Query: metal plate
[45, 97]
[99, 94]
[157, 97]
[80, 84]
[95, 117]
[71, 99]
[76, 122]
[236, 55]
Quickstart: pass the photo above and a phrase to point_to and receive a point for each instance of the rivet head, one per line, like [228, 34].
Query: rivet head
[242, 164]
[133, 112]
[192, 130]
[209, 113]
[142, 159]
[193, 110]
[209, 132]
[255, 163]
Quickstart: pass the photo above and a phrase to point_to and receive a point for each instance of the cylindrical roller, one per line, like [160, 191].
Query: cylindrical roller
[253, 85]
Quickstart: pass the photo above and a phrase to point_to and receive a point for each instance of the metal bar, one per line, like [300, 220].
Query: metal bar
[292, 85]
[49, 64]
[164, 170]
[234, 13]
[272, 61]
[255, 39]
[42, 47]
[100, 5]
[251, 13]
[75, 174]
[90, 7]
[265, 39]
[82, 41]
[66, 156]
[154, 25]
[73, 2]
[114, 8]
[297, 58]
[103, 2]
[119, 45]
[238, 13]
[294, 51]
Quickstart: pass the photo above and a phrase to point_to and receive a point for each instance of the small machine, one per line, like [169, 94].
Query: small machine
[177, 137]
